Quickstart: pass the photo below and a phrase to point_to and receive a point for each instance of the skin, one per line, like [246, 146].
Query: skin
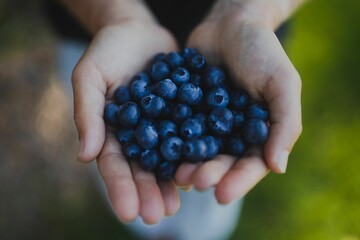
[126, 37]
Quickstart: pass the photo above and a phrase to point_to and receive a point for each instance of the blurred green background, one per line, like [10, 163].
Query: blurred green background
[45, 194]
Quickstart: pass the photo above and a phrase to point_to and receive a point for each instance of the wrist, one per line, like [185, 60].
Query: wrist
[269, 13]
[95, 14]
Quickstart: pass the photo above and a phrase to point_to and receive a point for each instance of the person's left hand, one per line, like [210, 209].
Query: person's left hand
[233, 36]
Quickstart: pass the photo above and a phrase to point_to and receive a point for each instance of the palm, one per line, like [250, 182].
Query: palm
[116, 54]
[257, 62]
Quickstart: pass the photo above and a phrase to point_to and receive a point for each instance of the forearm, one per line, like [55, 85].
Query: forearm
[94, 14]
[270, 13]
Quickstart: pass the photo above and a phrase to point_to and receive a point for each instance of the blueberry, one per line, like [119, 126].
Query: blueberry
[166, 89]
[142, 76]
[174, 59]
[180, 76]
[167, 129]
[255, 131]
[159, 57]
[239, 99]
[217, 97]
[152, 105]
[190, 94]
[187, 52]
[110, 114]
[171, 149]
[196, 79]
[239, 118]
[122, 95]
[132, 151]
[125, 136]
[221, 143]
[166, 170]
[196, 62]
[181, 112]
[139, 89]
[146, 136]
[146, 121]
[149, 159]
[257, 111]
[128, 114]
[201, 117]
[213, 77]
[167, 110]
[159, 71]
[235, 146]
[191, 128]
[212, 146]
[220, 121]
[195, 150]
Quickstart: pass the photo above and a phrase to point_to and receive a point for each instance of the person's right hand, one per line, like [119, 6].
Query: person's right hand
[117, 53]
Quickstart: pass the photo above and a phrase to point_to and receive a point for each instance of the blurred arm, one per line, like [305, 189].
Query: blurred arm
[94, 14]
[270, 13]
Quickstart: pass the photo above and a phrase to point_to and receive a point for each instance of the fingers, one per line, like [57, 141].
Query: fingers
[152, 208]
[241, 178]
[210, 173]
[170, 196]
[89, 90]
[260, 64]
[283, 97]
[117, 176]
[183, 174]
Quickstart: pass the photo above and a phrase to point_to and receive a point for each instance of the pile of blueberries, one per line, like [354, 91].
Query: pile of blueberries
[182, 109]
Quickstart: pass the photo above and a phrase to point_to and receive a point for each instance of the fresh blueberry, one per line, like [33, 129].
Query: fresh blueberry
[235, 146]
[132, 151]
[166, 170]
[180, 76]
[181, 112]
[110, 114]
[239, 119]
[187, 52]
[190, 94]
[213, 77]
[196, 79]
[159, 57]
[146, 136]
[220, 121]
[166, 114]
[159, 71]
[128, 114]
[122, 95]
[255, 131]
[257, 111]
[221, 143]
[191, 128]
[218, 97]
[195, 150]
[149, 159]
[152, 105]
[201, 117]
[125, 135]
[142, 76]
[166, 89]
[167, 129]
[196, 62]
[212, 146]
[239, 99]
[139, 89]
[146, 121]
[171, 149]
[174, 59]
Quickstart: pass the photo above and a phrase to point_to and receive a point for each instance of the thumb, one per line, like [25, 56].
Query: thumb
[89, 100]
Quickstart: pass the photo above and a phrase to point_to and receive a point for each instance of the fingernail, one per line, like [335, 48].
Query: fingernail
[282, 161]
[185, 188]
